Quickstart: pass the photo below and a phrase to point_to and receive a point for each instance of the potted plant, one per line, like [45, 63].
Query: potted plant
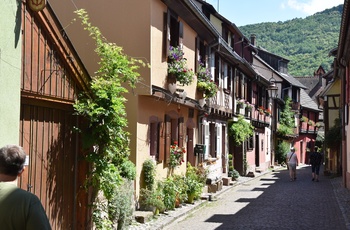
[311, 123]
[261, 110]
[177, 66]
[152, 200]
[169, 189]
[194, 183]
[304, 119]
[248, 106]
[205, 83]
[268, 112]
[176, 157]
[230, 171]
[235, 174]
[240, 103]
[181, 188]
[149, 173]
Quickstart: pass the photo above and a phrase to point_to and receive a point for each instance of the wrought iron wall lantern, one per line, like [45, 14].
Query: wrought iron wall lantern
[272, 89]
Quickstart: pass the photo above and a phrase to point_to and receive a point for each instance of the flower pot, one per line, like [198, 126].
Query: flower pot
[190, 198]
[172, 87]
[177, 202]
[156, 211]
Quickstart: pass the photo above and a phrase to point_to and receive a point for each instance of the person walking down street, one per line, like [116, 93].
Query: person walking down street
[315, 161]
[19, 209]
[292, 161]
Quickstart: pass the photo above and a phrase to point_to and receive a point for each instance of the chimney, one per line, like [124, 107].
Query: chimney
[252, 39]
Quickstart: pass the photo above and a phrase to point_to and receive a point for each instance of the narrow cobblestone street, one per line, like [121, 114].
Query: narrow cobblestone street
[269, 201]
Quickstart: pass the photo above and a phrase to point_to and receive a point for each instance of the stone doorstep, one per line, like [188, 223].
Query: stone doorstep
[143, 216]
[226, 180]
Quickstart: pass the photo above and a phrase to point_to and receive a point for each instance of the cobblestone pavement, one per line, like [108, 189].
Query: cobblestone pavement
[268, 201]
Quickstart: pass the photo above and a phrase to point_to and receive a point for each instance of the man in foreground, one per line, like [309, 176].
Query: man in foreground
[19, 209]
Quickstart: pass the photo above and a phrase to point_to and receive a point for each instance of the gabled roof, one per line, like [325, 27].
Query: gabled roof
[293, 81]
[261, 49]
[307, 102]
[290, 79]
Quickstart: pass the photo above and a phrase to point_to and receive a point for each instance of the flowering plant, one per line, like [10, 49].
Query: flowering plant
[176, 155]
[304, 119]
[208, 87]
[268, 112]
[205, 83]
[248, 105]
[240, 102]
[203, 73]
[311, 123]
[261, 109]
[178, 66]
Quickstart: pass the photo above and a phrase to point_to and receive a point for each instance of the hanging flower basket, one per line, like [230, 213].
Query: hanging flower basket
[204, 82]
[268, 112]
[177, 66]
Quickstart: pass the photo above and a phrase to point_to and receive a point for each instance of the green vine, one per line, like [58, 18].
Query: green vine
[104, 110]
[287, 122]
[240, 130]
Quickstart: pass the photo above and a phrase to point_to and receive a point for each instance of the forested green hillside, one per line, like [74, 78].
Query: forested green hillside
[305, 42]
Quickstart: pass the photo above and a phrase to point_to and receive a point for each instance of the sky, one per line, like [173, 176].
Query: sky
[248, 12]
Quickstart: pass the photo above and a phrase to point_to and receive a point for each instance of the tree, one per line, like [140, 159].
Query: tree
[103, 107]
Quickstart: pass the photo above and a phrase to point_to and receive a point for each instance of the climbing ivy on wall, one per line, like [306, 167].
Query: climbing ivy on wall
[104, 109]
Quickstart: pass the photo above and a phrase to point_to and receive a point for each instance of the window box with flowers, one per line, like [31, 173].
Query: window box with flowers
[304, 119]
[204, 82]
[177, 65]
[268, 112]
[248, 106]
[311, 123]
[248, 109]
[176, 157]
[240, 103]
[261, 110]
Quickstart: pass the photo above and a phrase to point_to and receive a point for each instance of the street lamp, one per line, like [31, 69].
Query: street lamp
[272, 90]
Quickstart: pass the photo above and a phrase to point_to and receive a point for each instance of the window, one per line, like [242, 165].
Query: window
[173, 132]
[201, 53]
[250, 143]
[225, 33]
[172, 32]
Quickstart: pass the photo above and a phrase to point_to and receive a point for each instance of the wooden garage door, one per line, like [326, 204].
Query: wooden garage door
[48, 139]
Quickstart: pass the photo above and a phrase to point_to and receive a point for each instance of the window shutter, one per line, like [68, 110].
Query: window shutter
[217, 69]
[181, 132]
[167, 138]
[218, 140]
[181, 30]
[206, 140]
[166, 35]
[190, 147]
[153, 138]
[197, 54]
[229, 78]
[161, 141]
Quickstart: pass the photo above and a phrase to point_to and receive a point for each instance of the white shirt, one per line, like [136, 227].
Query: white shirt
[293, 159]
